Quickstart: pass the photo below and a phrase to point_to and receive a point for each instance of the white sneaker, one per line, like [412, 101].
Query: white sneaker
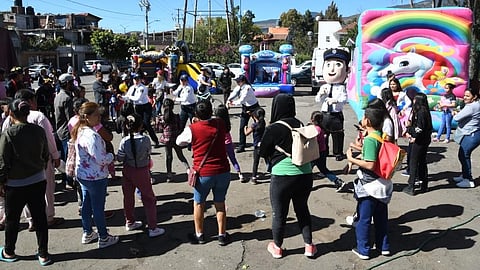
[107, 241]
[135, 225]
[89, 238]
[156, 232]
[458, 179]
[351, 220]
[466, 184]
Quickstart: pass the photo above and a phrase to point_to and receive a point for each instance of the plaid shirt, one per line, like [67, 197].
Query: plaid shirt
[170, 131]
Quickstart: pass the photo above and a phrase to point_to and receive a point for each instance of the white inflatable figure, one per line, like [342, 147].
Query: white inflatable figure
[332, 96]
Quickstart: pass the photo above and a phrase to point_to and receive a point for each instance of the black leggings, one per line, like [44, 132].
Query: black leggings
[169, 158]
[15, 199]
[295, 188]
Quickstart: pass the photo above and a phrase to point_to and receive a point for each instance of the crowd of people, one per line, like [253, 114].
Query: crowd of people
[55, 122]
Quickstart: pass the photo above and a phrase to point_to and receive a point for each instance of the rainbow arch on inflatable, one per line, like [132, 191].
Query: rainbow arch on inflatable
[425, 48]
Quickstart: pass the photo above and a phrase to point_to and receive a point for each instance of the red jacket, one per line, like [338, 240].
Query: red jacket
[203, 133]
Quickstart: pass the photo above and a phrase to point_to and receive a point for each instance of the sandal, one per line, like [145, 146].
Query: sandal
[5, 259]
[44, 261]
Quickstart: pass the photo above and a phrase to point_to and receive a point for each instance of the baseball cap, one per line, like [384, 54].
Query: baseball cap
[184, 77]
[240, 78]
[65, 77]
[136, 75]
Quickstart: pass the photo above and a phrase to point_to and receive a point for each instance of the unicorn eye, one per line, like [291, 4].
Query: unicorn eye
[403, 63]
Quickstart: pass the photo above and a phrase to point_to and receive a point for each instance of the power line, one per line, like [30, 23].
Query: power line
[105, 10]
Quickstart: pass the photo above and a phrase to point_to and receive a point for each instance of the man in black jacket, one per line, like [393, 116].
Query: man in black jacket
[225, 83]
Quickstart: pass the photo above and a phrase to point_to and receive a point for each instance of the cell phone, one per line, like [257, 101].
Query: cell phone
[359, 128]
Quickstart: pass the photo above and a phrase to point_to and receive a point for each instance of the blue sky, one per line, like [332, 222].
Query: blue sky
[126, 15]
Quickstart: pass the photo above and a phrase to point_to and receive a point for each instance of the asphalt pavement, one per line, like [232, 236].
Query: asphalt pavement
[434, 230]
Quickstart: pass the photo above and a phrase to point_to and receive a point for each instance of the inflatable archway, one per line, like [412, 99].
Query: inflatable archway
[425, 48]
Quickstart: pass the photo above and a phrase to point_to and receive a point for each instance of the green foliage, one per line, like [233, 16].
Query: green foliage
[43, 44]
[112, 46]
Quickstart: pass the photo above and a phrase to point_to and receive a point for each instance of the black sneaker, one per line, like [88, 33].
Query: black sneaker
[195, 240]
[340, 185]
[223, 240]
[409, 190]
[240, 150]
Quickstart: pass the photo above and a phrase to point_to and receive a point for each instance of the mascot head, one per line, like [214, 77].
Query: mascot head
[335, 65]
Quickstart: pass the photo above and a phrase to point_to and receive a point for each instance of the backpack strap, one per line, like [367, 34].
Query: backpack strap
[376, 137]
[278, 148]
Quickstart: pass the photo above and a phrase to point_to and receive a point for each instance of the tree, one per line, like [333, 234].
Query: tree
[112, 46]
[331, 13]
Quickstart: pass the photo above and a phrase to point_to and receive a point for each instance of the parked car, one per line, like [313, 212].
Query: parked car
[34, 70]
[235, 68]
[303, 76]
[87, 67]
[214, 67]
[305, 65]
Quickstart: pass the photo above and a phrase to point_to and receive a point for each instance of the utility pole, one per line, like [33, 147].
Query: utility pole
[228, 21]
[194, 21]
[240, 24]
[145, 4]
[184, 19]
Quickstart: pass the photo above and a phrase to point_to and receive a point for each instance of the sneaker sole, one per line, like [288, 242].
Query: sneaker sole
[363, 257]
[272, 252]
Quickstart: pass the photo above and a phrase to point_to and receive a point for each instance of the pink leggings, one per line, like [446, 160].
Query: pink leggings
[138, 178]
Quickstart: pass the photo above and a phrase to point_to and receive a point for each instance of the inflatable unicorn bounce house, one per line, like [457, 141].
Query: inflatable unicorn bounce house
[424, 48]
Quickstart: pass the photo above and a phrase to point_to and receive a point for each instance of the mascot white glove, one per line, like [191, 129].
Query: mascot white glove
[331, 101]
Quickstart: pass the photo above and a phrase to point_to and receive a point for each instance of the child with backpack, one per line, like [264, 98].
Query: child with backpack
[372, 193]
[134, 151]
[222, 112]
[170, 124]
[316, 119]
[257, 128]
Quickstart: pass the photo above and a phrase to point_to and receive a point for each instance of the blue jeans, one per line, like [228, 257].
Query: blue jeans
[63, 155]
[446, 122]
[94, 193]
[367, 208]
[468, 144]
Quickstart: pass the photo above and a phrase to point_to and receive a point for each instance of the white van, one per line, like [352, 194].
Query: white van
[317, 73]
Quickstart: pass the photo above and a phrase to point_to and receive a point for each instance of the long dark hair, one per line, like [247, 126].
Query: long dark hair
[133, 124]
[387, 97]
[222, 112]
[420, 105]
[168, 114]
[259, 114]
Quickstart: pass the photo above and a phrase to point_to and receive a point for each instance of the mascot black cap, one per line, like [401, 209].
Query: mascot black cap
[337, 53]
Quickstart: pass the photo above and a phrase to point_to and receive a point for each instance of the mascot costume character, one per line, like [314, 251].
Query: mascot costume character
[332, 96]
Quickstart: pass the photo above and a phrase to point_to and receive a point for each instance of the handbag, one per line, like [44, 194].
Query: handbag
[193, 175]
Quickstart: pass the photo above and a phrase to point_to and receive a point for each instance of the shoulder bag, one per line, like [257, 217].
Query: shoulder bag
[193, 174]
